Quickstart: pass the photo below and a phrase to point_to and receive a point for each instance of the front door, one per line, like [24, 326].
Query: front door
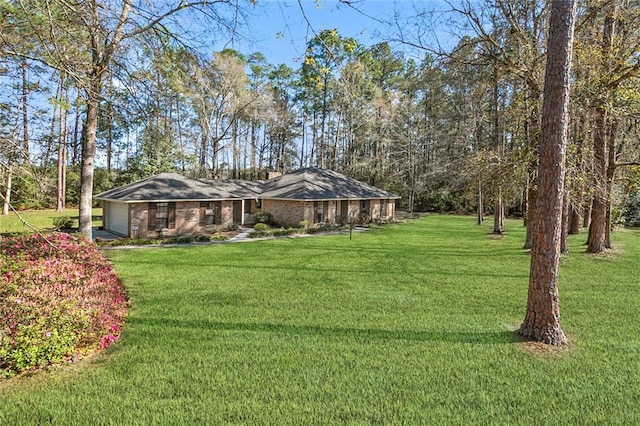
[344, 211]
[237, 212]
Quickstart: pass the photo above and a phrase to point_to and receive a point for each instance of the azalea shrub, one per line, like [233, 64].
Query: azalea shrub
[61, 299]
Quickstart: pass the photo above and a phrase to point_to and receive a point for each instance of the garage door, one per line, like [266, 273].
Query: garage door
[118, 214]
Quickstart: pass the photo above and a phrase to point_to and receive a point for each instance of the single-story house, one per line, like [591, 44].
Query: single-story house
[170, 204]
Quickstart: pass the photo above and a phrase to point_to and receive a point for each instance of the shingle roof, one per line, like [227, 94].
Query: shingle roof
[175, 187]
[319, 184]
[309, 184]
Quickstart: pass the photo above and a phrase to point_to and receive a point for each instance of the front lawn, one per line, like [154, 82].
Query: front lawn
[407, 324]
[41, 220]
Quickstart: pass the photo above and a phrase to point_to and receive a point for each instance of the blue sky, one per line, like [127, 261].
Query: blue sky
[279, 28]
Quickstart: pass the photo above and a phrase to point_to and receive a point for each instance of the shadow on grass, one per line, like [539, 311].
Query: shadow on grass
[483, 337]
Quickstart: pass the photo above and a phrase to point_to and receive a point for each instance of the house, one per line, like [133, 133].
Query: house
[170, 204]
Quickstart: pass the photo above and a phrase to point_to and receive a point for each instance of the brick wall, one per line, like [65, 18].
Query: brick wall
[289, 213]
[139, 220]
[226, 214]
[187, 220]
[374, 209]
[331, 212]
[391, 209]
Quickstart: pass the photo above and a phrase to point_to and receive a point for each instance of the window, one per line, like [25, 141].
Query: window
[383, 208]
[258, 203]
[209, 216]
[208, 213]
[364, 206]
[162, 216]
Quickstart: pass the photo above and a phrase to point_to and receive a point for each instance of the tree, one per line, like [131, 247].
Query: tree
[542, 320]
[100, 32]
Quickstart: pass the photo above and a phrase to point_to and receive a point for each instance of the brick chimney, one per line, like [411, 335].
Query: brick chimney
[273, 175]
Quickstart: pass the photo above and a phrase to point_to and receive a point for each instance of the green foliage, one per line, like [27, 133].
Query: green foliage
[35, 188]
[32, 189]
[325, 227]
[233, 226]
[261, 226]
[631, 214]
[186, 239]
[181, 239]
[282, 232]
[263, 217]
[260, 234]
[304, 224]
[262, 231]
[63, 222]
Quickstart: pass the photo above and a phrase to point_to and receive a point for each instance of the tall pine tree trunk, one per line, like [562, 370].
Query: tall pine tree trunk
[597, 240]
[598, 225]
[542, 319]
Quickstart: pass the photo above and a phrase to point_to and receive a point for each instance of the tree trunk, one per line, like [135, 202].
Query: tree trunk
[532, 194]
[597, 227]
[62, 163]
[586, 218]
[524, 205]
[61, 187]
[564, 247]
[480, 204]
[542, 319]
[611, 173]
[498, 215]
[109, 136]
[575, 218]
[25, 111]
[7, 196]
[88, 154]
[76, 132]
[596, 242]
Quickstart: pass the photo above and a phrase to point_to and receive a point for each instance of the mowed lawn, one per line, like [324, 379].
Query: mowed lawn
[39, 220]
[407, 324]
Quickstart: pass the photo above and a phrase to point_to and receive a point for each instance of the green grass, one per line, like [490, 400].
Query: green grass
[407, 324]
[41, 220]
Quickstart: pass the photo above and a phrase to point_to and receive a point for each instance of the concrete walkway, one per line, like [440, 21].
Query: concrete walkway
[242, 236]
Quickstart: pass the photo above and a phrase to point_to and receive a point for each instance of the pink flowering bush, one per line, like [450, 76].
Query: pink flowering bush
[59, 299]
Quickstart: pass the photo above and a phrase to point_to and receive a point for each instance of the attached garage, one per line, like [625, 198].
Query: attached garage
[118, 217]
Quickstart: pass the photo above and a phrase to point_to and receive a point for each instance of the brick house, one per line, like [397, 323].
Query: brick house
[170, 204]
